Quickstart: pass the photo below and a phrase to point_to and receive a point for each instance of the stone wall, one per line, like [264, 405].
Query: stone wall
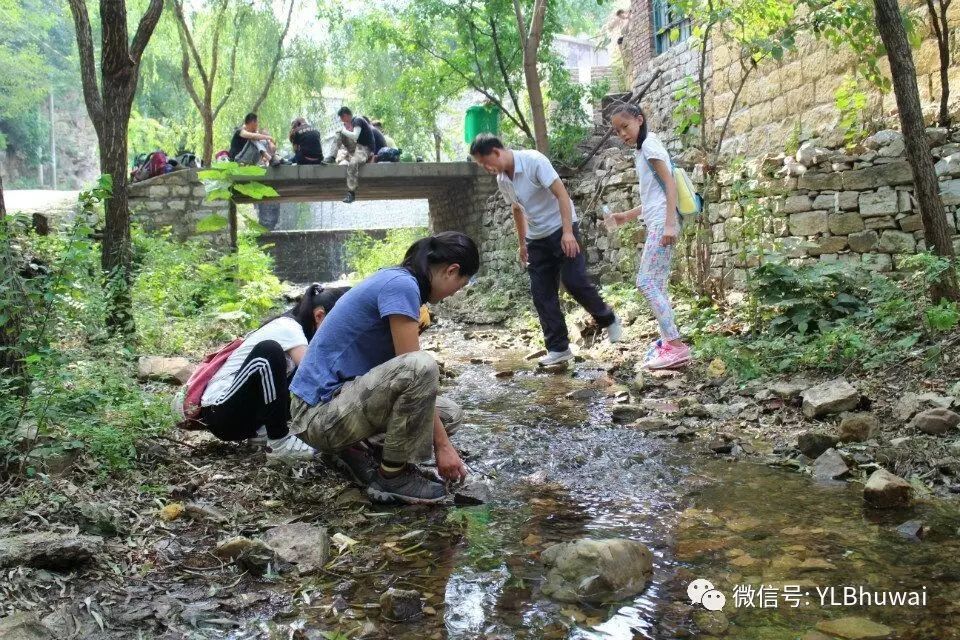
[790, 99]
[310, 256]
[830, 205]
[462, 209]
[175, 201]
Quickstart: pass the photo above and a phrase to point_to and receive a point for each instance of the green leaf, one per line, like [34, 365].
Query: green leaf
[212, 223]
[255, 190]
[211, 174]
[247, 170]
[219, 194]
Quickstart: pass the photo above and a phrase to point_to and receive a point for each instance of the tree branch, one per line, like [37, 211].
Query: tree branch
[148, 22]
[536, 23]
[237, 26]
[503, 72]
[188, 38]
[521, 25]
[276, 61]
[185, 70]
[88, 69]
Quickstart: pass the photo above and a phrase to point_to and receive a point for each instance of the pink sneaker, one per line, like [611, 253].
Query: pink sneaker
[670, 356]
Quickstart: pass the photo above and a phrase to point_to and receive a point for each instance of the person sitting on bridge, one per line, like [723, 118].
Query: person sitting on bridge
[248, 398]
[387, 140]
[250, 146]
[364, 374]
[307, 142]
[547, 230]
[361, 141]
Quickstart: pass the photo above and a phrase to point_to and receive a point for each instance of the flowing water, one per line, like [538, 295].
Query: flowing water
[747, 528]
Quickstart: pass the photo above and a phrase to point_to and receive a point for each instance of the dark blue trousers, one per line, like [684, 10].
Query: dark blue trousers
[548, 268]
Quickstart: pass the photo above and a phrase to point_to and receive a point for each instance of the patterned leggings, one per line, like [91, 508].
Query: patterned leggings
[652, 281]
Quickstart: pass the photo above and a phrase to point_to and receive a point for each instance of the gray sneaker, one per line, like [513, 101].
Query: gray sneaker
[356, 463]
[555, 357]
[409, 487]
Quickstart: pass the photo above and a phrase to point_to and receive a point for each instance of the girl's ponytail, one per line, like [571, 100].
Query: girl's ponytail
[314, 296]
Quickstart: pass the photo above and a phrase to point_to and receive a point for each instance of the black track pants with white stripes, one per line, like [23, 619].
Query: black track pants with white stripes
[258, 396]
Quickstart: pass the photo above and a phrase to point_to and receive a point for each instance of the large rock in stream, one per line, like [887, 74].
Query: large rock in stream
[596, 571]
[885, 490]
[46, 550]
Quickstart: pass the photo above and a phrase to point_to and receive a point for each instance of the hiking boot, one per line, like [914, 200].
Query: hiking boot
[275, 161]
[350, 197]
[670, 356]
[555, 357]
[356, 463]
[615, 330]
[410, 487]
[289, 448]
[260, 439]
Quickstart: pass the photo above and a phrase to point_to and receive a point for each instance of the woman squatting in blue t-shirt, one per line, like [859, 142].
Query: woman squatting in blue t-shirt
[364, 374]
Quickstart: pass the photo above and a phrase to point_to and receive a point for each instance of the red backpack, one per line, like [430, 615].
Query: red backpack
[186, 404]
[154, 165]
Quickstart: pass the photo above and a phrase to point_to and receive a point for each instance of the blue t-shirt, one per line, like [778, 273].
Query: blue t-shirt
[355, 336]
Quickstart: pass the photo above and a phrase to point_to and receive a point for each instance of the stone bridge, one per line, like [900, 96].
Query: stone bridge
[455, 191]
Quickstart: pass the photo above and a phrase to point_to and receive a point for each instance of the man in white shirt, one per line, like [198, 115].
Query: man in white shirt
[547, 231]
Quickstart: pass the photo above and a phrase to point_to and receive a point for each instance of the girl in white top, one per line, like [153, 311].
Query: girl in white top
[249, 397]
[658, 206]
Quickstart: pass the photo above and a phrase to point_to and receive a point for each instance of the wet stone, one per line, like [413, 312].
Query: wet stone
[813, 443]
[596, 570]
[304, 545]
[400, 604]
[830, 465]
[885, 490]
[854, 628]
[473, 492]
[714, 623]
[623, 413]
[912, 529]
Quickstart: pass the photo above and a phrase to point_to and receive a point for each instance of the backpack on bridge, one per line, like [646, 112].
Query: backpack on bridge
[389, 154]
[186, 160]
[153, 165]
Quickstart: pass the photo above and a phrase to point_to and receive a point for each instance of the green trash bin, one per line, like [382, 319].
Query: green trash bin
[480, 119]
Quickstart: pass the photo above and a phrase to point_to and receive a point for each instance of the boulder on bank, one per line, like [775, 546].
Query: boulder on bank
[936, 422]
[834, 396]
[161, 369]
[885, 490]
[596, 570]
[46, 550]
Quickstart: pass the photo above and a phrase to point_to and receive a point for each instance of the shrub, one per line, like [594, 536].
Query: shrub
[366, 255]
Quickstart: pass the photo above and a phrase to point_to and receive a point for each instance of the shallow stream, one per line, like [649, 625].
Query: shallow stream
[740, 525]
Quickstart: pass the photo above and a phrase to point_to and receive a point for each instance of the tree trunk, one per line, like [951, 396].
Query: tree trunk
[926, 186]
[116, 247]
[532, 75]
[207, 139]
[437, 140]
[530, 44]
[941, 29]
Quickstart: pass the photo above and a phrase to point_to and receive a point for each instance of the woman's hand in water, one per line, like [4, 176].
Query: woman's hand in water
[450, 465]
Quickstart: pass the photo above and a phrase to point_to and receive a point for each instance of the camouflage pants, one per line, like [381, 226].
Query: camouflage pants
[356, 156]
[395, 401]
